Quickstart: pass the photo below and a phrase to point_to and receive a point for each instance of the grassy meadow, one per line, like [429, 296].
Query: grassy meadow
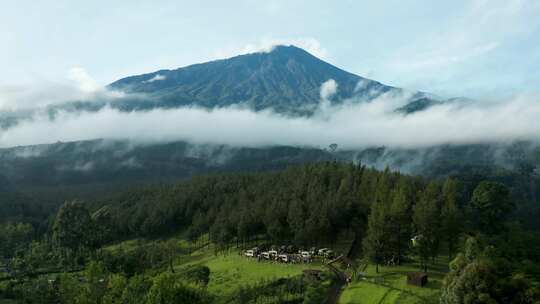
[390, 285]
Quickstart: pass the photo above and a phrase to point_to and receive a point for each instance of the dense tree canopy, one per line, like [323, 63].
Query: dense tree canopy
[387, 218]
[491, 206]
[73, 227]
[477, 276]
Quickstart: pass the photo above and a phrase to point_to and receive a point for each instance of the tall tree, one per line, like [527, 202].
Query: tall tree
[14, 236]
[426, 215]
[451, 216]
[475, 277]
[73, 227]
[491, 206]
[400, 218]
[95, 285]
[376, 242]
[296, 219]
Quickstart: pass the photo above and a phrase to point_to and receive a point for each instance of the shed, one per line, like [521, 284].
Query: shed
[417, 279]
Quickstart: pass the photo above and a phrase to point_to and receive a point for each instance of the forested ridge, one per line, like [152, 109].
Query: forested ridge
[391, 217]
[300, 204]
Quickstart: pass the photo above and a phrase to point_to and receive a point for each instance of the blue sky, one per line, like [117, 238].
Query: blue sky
[475, 48]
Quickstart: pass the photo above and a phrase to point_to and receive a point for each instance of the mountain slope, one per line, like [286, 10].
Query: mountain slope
[287, 79]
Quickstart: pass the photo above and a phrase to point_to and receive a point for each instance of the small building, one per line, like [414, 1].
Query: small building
[419, 279]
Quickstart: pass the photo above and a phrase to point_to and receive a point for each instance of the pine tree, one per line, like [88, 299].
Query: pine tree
[73, 227]
[426, 221]
[376, 241]
[491, 206]
[400, 219]
[451, 215]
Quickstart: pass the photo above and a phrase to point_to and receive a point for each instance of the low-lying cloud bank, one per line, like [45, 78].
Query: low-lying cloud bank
[77, 86]
[350, 125]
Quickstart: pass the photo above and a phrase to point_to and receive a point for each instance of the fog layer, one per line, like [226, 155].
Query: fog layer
[352, 125]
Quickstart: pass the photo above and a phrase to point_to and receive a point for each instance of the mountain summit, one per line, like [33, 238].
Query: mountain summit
[286, 79]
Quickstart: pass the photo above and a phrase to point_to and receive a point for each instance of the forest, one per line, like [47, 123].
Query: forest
[78, 253]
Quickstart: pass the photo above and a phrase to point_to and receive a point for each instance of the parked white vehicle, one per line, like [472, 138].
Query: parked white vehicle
[265, 255]
[322, 251]
[305, 254]
[249, 253]
[283, 258]
[273, 253]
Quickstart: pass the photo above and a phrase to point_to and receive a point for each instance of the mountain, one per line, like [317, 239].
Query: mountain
[286, 79]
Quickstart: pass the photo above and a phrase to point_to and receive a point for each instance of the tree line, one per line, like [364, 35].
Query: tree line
[392, 215]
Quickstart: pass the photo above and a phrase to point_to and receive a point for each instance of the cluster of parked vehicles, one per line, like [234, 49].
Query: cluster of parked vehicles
[288, 254]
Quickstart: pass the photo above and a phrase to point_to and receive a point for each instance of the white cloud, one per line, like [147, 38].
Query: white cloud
[266, 45]
[78, 85]
[35, 95]
[158, 77]
[328, 89]
[84, 81]
[352, 126]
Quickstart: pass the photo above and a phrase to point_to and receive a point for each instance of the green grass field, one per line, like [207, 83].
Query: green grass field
[228, 272]
[231, 271]
[362, 292]
[390, 286]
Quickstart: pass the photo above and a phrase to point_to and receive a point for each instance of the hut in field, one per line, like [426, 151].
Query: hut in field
[419, 279]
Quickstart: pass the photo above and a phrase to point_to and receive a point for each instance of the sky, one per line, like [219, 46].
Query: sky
[473, 48]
